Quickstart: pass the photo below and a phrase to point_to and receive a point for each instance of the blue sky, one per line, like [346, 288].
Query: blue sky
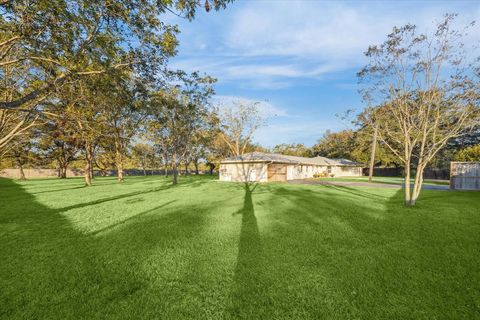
[299, 58]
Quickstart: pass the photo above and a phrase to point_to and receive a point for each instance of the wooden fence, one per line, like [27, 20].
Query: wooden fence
[465, 175]
[428, 173]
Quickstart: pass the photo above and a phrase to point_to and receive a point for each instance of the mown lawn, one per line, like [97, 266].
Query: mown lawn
[211, 250]
[388, 180]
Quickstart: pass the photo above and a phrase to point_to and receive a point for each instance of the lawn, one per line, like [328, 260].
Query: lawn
[388, 180]
[211, 250]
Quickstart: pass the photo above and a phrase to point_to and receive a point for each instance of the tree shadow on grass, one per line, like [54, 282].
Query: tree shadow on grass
[250, 287]
[51, 270]
[410, 263]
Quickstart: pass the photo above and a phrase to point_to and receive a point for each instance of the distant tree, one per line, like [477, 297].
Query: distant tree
[143, 154]
[22, 154]
[293, 149]
[81, 106]
[122, 100]
[238, 124]
[468, 154]
[427, 84]
[177, 113]
[362, 152]
[59, 142]
[335, 144]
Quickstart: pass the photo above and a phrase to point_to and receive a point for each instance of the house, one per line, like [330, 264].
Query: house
[263, 167]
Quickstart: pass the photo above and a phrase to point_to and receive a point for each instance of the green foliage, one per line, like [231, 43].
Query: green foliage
[294, 149]
[335, 144]
[468, 154]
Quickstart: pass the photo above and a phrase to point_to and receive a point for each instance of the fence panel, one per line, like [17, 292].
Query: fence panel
[465, 175]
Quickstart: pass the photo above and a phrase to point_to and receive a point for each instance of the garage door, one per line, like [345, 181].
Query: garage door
[277, 172]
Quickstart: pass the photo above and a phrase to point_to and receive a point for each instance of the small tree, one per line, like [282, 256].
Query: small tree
[238, 124]
[427, 94]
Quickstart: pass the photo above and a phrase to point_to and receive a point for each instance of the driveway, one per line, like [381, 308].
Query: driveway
[365, 184]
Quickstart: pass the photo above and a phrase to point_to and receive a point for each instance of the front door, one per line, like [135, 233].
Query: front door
[277, 172]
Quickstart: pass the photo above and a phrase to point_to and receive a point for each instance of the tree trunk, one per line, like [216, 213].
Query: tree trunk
[143, 167]
[63, 172]
[417, 187]
[20, 168]
[119, 163]
[62, 168]
[120, 171]
[372, 154]
[407, 184]
[186, 168]
[195, 163]
[119, 159]
[88, 164]
[166, 165]
[212, 167]
[174, 169]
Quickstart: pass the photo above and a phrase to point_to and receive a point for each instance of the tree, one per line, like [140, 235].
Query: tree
[81, 102]
[335, 144]
[13, 123]
[238, 124]
[468, 154]
[122, 102]
[143, 153]
[21, 155]
[294, 149]
[69, 38]
[47, 44]
[425, 83]
[363, 147]
[59, 141]
[178, 112]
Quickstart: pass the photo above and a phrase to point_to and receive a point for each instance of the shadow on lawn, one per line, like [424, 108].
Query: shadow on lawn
[391, 262]
[249, 292]
[51, 270]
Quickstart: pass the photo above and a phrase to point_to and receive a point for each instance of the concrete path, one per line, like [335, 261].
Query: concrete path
[365, 184]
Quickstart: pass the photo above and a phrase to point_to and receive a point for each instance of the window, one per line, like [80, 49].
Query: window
[329, 169]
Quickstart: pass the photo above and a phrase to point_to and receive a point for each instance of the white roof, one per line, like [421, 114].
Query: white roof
[280, 158]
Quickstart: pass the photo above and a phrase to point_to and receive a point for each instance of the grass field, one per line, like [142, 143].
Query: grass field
[388, 180]
[211, 250]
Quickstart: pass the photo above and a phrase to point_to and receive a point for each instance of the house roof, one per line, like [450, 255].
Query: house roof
[280, 158]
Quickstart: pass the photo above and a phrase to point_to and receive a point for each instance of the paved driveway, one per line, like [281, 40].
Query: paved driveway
[365, 184]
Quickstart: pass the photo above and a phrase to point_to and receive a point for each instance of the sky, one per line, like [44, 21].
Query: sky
[299, 58]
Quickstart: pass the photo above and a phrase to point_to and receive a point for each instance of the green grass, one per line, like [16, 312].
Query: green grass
[388, 180]
[211, 250]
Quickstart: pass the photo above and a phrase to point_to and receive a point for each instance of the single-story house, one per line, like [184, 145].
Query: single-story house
[263, 167]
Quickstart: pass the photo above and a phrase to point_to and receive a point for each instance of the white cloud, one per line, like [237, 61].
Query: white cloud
[281, 126]
[273, 44]
[331, 31]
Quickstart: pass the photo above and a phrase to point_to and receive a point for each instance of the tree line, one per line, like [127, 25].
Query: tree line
[89, 80]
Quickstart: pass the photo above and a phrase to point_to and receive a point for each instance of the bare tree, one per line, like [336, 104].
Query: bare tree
[426, 91]
[238, 124]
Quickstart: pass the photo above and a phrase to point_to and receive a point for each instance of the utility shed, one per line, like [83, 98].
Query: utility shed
[263, 167]
[465, 175]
